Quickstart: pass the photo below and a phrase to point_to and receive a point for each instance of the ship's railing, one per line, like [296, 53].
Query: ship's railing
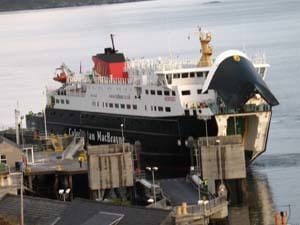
[110, 80]
[258, 59]
[207, 207]
[138, 67]
[248, 108]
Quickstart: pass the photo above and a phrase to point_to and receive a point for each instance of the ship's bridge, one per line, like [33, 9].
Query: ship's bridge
[184, 76]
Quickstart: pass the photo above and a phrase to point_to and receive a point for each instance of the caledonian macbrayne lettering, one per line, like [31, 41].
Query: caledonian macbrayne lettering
[98, 136]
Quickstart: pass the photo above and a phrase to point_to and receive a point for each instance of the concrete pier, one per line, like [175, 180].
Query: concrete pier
[110, 167]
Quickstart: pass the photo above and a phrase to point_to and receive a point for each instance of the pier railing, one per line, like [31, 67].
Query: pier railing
[11, 180]
[200, 214]
[208, 207]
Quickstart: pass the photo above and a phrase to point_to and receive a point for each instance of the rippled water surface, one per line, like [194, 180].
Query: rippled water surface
[33, 43]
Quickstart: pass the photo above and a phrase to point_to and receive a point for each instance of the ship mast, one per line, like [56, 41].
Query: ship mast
[206, 49]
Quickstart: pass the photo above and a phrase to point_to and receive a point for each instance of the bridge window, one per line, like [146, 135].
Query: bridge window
[169, 78]
[111, 105]
[67, 101]
[57, 101]
[134, 107]
[166, 93]
[128, 106]
[116, 105]
[160, 108]
[199, 91]
[199, 74]
[192, 75]
[159, 92]
[122, 106]
[152, 92]
[147, 92]
[168, 109]
[176, 75]
[186, 92]
[173, 93]
[62, 101]
[185, 75]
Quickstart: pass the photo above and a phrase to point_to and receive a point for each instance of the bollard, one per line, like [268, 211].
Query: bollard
[283, 218]
[184, 208]
[277, 219]
[178, 211]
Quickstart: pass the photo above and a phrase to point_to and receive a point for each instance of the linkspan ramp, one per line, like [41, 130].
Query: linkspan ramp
[179, 190]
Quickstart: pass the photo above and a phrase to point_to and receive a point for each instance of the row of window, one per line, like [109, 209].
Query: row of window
[115, 105]
[62, 101]
[160, 108]
[188, 75]
[128, 106]
[188, 92]
[61, 92]
[160, 92]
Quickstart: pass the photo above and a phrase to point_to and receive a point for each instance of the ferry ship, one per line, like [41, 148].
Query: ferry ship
[160, 103]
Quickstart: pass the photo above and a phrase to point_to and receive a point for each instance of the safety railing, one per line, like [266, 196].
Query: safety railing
[10, 180]
[207, 206]
[249, 108]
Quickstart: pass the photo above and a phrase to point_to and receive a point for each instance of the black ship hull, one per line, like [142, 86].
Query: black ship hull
[163, 140]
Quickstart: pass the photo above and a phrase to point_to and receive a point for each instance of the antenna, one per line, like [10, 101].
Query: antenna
[112, 42]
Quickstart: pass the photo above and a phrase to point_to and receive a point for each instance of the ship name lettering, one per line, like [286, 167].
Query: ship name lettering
[120, 96]
[98, 136]
[108, 138]
[170, 99]
[74, 132]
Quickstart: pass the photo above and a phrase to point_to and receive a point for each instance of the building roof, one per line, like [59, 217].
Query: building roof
[4, 139]
[40, 211]
[37, 211]
[82, 210]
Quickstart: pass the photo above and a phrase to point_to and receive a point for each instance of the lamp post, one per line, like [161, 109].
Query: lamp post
[220, 160]
[222, 191]
[22, 200]
[122, 131]
[22, 132]
[152, 170]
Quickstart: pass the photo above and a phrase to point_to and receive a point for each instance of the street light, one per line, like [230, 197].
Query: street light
[63, 193]
[122, 131]
[150, 200]
[220, 160]
[152, 170]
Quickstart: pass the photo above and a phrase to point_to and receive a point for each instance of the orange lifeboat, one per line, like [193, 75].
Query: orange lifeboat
[62, 77]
